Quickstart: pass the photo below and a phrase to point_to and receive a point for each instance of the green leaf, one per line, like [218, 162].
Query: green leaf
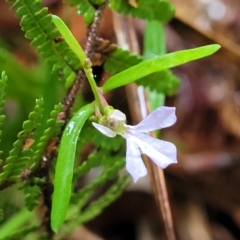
[93, 161]
[32, 193]
[97, 2]
[69, 38]
[153, 45]
[154, 40]
[74, 45]
[157, 64]
[87, 10]
[163, 82]
[76, 217]
[24, 84]
[53, 129]
[3, 83]
[105, 200]
[100, 157]
[20, 155]
[1, 215]
[21, 233]
[64, 166]
[114, 165]
[40, 29]
[160, 10]
[9, 228]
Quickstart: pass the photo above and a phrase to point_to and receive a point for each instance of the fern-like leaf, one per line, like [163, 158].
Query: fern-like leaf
[22, 152]
[93, 161]
[105, 200]
[85, 8]
[76, 218]
[53, 129]
[32, 192]
[96, 207]
[3, 83]
[163, 82]
[40, 29]
[97, 2]
[112, 166]
[161, 10]
[20, 233]
[1, 215]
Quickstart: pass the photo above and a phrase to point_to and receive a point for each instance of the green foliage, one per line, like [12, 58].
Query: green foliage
[16, 226]
[82, 209]
[100, 157]
[94, 160]
[64, 167]
[97, 2]
[32, 195]
[39, 28]
[3, 83]
[32, 192]
[111, 169]
[85, 8]
[53, 129]
[154, 39]
[77, 49]
[161, 10]
[163, 82]
[63, 179]
[1, 215]
[23, 84]
[156, 64]
[154, 44]
[20, 233]
[90, 134]
[21, 154]
[34, 144]
[105, 200]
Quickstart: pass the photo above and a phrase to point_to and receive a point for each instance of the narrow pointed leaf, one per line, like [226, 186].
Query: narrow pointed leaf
[64, 167]
[69, 38]
[157, 64]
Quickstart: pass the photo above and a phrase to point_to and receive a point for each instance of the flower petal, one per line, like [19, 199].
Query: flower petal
[166, 148]
[104, 130]
[117, 115]
[161, 152]
[160, 118]
[134, 162]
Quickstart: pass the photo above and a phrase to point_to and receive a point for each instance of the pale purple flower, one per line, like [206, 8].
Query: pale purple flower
[138, 141]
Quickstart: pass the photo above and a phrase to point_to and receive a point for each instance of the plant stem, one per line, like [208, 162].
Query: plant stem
[92, 37]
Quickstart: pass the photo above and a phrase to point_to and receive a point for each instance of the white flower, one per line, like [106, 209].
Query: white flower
[138, 141]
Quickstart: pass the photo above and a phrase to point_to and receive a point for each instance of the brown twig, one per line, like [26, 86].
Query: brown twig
[92, 32]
